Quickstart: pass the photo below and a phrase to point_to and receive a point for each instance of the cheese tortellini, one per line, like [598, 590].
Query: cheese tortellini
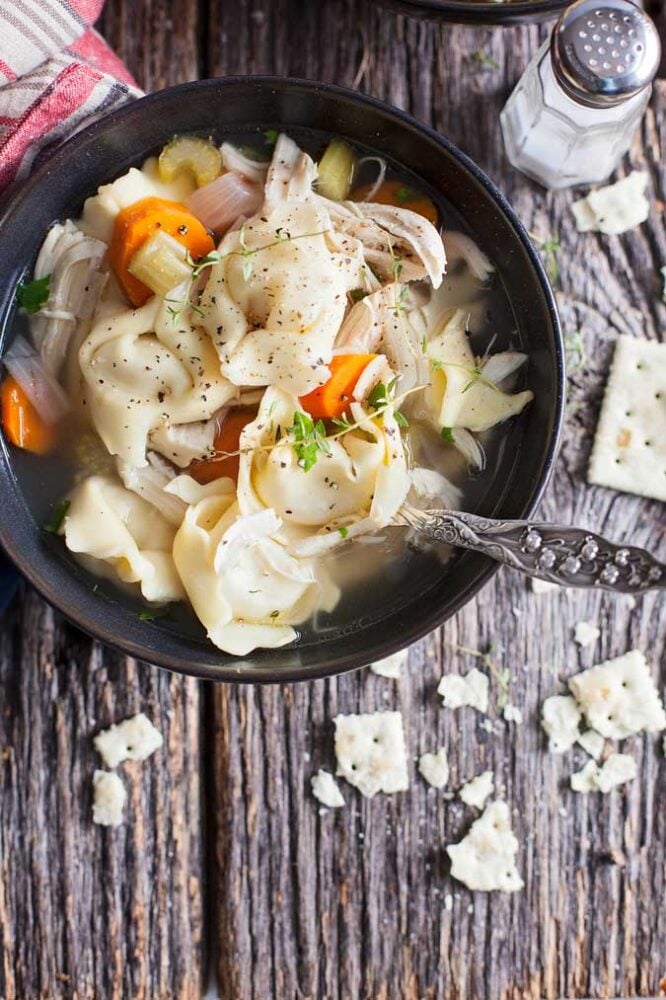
[275, 409]
[276, 299]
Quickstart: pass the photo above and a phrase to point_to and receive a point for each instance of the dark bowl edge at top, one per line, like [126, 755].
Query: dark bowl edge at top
[146, 641]
[501, 15]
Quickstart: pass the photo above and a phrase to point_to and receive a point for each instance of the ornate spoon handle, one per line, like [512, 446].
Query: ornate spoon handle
[570, 557]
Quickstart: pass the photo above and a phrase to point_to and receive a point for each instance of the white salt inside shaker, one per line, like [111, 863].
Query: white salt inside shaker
[574, 111]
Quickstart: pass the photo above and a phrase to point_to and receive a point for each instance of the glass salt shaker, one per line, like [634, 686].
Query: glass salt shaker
[573, 113]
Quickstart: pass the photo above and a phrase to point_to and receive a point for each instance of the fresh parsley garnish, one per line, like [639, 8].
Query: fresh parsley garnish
[32, 295]
[57, 516]
[271, 136]
[343, 532]
[447, 435]
[380, 397]
[309, 440]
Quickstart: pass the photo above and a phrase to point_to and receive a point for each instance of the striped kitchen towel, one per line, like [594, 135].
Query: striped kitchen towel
[56, 74]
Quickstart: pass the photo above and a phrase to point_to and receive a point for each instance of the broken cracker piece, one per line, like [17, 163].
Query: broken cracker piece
[134, 739]
[592, 743]
[586, 634]
[629, 451]
[477, 790]
[619, 697]
[486, 858]
[614, 209]
[469, 689]
[560, 717]
[617, 770]
[109, 797]
[325, 789]
[391, 666]
[435, 767]
[370, 751]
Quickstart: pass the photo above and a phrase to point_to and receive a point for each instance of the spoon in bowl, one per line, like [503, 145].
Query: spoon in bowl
[559, 554]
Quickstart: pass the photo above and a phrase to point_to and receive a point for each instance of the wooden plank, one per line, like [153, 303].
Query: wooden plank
[85, 912]
[351, 903]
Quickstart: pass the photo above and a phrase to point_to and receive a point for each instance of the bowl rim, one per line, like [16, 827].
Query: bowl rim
[484, 12]
[141, 647]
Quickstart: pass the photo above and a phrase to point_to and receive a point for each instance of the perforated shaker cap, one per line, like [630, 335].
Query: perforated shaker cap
[604, 53]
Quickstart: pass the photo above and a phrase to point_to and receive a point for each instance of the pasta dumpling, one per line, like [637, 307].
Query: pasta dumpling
[245, 587]
[123, 537]
[143, 372]
[274, 302]
[357, 484]
[461, 395]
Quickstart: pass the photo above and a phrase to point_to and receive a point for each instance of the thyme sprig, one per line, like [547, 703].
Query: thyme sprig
[475, 374]
[549, 247]
[310, 440]
[246, 252]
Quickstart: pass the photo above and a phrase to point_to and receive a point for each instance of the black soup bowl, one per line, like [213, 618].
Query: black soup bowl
[400, 606]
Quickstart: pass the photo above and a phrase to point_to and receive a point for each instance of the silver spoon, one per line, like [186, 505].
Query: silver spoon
[570, 557]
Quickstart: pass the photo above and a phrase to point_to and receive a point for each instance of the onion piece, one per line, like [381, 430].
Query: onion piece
[469, 447]
[476, 260]
[149, 483]
[500, 366]
[380, 176]
[73, 261]
[234, 160]
[25, 365]
[219, 203]
[428, 484]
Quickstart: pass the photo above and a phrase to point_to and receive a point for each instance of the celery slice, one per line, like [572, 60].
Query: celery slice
[160, 263]
[190, 152]
[337, 169]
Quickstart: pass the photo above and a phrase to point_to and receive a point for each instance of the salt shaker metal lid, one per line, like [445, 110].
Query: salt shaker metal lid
[604, 51]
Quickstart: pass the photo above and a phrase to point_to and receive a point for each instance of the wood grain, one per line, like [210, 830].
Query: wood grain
[351, 903]
[86, 912]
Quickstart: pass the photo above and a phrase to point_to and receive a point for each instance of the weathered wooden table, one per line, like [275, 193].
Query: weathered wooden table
[225, 869]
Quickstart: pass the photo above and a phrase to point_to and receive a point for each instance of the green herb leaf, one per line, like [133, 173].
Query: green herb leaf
[358, 294]
[403, 194]
[378, 396]
[309, 440]
[271, 136]
[149, 615]
[447, 435]
[343, 422]
[274, 614]
[396, 268]
[485, 60]
[576, 354]
[57, 517]
[424, 345]
[343, 531]
[400, 419]
[32, 295]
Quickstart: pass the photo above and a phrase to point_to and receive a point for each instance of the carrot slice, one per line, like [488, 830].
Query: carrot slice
[21, 422]
[402, 196]
[227, 439]
[333, 398]
[136, 223]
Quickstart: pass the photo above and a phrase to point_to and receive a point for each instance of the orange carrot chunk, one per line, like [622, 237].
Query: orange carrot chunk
[400, 195]
[227, 439]
[137, 223]
[333, 398]
[21, 422]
